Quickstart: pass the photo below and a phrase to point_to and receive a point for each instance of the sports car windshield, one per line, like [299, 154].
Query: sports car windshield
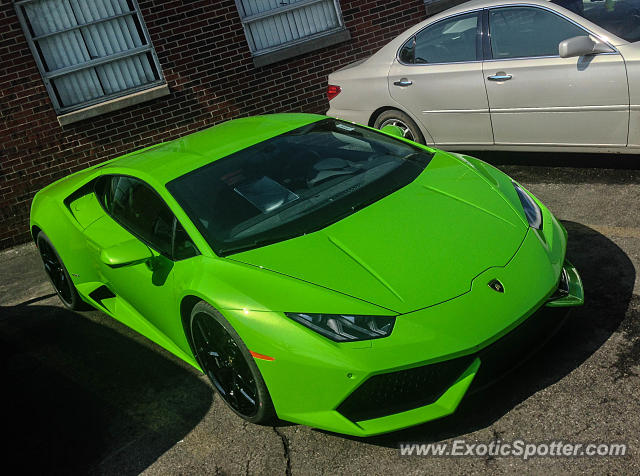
[620, 17]
[294, 183]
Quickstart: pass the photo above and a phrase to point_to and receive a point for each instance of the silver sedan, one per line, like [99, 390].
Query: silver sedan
[510, 75]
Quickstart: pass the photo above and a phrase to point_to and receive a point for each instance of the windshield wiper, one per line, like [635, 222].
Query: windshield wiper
[258, 243]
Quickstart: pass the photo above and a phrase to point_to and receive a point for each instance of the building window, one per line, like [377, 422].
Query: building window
[271, 25]
[89, 51]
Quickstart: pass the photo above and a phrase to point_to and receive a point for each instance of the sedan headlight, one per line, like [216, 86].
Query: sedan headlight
[346, 327]
[531, 208]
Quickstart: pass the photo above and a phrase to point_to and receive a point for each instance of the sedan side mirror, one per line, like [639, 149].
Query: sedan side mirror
[125, 253]
[581, 46]
[392, 130]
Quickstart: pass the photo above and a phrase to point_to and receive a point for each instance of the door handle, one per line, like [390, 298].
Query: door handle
[500, 76]
[404, 82]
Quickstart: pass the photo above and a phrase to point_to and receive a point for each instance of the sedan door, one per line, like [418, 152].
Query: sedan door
[538, 98]
[438, 78]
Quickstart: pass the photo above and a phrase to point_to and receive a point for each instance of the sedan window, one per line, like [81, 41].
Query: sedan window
[452, 40]
[524, 32]
[620, 17]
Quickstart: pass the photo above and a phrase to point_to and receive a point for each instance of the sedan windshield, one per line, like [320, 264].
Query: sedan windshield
[294, 183]
[620, 17]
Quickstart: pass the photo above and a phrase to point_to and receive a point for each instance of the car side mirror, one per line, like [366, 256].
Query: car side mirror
[125, 253]
[582, 46]
[392, 130]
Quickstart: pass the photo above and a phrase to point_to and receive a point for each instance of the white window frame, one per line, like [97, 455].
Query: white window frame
[246, 20]
[47, 76]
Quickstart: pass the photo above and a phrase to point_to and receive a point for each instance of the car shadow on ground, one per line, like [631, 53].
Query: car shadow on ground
[608, 276]
[594, 162]
[532, 167]
[79, 397]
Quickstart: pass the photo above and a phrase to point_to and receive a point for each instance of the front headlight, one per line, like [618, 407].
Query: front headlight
[531, 208]
[346, 327]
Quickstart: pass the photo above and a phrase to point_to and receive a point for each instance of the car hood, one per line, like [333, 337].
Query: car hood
[417, 247]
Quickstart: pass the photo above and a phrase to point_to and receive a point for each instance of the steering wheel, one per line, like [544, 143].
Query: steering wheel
[299, 169]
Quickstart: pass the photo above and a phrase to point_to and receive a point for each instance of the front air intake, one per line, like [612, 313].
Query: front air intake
[395, 392]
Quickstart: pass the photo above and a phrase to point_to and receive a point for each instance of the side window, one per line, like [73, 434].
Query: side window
[183, 247]
[451, 40]
[138, 208]
[407, 51]
[523, 32]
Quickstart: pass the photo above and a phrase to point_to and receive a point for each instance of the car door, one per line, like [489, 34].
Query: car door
[538, 98]
[438, 78]
[134, 211]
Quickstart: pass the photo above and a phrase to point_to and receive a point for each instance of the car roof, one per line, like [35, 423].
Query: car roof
[166, 161]
[479, 4]
[476, 4]
[390, 50]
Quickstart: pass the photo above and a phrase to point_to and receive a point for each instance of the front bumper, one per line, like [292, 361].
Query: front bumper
[448, 382]
[395, 392]
[311, 378]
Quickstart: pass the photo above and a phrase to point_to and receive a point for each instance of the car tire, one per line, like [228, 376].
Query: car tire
[226, 360]
[58, 275]
[394, 117]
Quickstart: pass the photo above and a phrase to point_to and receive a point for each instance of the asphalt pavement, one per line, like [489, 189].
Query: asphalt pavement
[83, 394]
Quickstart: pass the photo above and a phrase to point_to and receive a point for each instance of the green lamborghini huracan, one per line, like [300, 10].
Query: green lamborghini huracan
[317, 271]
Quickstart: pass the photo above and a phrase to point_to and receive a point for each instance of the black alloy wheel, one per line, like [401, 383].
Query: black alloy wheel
[58, 275]
[229, 365]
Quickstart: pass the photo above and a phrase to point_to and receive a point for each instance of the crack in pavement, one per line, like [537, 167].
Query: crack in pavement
[628, 357]
[497, 436]
[285, 446]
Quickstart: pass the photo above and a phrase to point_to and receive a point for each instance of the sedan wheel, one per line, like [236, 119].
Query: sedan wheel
[406, 132]
[399, 119]
[227, 362]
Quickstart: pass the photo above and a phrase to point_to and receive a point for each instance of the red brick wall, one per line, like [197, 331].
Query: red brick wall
[206, 62]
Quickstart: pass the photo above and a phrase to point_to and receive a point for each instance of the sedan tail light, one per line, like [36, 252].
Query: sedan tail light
[332, 91]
